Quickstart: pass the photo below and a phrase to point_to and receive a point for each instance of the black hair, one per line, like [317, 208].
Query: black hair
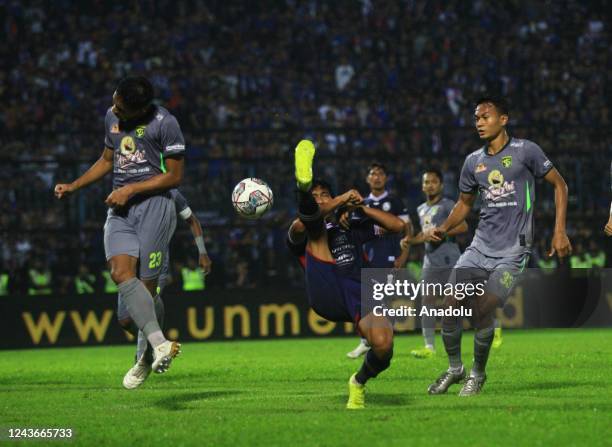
[319, 183]
[378, 165]
[500, 103]
[136, 91]
[435, 171]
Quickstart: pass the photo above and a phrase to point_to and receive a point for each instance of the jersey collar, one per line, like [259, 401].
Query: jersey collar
[486, 147]
[380, 197]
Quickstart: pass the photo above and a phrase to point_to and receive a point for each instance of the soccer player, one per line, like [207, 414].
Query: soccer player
[144, 147]
[439, 257]
[333, 261]
[503, 171]
[141, 370]
[383, 252]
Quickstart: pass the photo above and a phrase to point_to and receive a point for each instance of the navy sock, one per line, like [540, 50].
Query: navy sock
[373, 365]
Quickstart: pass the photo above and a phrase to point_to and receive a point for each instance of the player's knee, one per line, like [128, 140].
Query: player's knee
[382, 341]
[120, 274]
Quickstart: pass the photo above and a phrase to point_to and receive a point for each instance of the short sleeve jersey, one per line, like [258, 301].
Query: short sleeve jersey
[139, 152]
[506, 183]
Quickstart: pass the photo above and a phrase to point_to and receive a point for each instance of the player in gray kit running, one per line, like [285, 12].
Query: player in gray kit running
[503, 172]
[144, 147]
[141, 369]
[440, 257]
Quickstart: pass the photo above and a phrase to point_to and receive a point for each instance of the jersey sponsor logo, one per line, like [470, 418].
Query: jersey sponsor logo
[140, 131]
[499, 190]
[480, 167]
[506, 161]
[517, 143]
[386, 206]
[127, 146]
[128, 154]
[175, 147]
[547, 164]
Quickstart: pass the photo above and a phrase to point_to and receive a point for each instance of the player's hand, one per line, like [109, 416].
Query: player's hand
[62, 189]
[608, 227]
[399, 263]
[352, 197]
[560, 245]
[435, 235]
[119, 197]
[205, 264]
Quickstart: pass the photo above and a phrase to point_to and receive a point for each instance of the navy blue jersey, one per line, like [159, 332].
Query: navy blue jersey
[383, 250]
[345, 246]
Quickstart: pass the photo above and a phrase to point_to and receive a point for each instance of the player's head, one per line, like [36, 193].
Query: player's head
[132, 98]
[432, 182]
[321, 191]
[490, 116]
[377, 176]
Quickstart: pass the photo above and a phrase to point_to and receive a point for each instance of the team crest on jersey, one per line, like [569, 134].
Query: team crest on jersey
[506, 161]
[480, 167]
[140, 131]
[434, 210]
[386, 206]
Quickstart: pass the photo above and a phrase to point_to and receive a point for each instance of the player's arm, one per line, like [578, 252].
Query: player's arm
[297, 231]
[402, 259]
[388, 221]
[99, 169]
[456, 218]
[198, 236]
[608, 227]
[170, 179]
[560, 242]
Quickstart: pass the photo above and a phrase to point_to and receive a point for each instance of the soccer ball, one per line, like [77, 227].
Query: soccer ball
[252, 198]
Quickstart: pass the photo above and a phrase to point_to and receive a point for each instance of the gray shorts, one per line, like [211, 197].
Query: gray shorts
[143, 231]
[500, 274]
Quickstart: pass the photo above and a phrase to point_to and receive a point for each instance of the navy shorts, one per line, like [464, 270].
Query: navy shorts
[332, 296]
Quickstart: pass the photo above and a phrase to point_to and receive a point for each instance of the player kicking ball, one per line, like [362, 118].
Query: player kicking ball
[503, 172]
[333, 262]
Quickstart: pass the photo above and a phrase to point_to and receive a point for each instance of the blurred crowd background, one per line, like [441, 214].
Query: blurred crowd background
[391, 81]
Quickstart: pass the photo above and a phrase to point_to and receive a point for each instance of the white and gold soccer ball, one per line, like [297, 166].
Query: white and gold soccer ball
[252, 198]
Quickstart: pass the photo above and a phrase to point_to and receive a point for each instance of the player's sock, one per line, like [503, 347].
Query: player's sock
[309, 213]
[373, 366]
[142, 344]
[482, 346]
[452, 344]
[428, 323]
[142, 309]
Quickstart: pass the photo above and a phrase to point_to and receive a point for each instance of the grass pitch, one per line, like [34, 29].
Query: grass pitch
[547, 387]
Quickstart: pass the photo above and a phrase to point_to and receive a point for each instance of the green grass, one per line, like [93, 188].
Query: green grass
[548, 387]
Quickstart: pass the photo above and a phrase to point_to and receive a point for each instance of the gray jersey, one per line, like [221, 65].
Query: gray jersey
[506, 183]
[139, 153]
[446, 253]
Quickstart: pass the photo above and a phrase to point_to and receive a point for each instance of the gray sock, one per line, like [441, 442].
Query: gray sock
[496, 323]
[142, 343]
[142, 310]
[483, 339]
[428, 324]
[452, 344]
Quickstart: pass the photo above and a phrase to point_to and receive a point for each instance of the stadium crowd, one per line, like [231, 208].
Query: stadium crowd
[367, 80]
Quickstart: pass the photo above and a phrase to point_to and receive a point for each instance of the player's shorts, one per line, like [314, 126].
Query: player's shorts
[142, 230]
[334, 297]
[122, 310]
[500, 274]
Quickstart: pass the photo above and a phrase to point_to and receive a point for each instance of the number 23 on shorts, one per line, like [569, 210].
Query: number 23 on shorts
[155, 259]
